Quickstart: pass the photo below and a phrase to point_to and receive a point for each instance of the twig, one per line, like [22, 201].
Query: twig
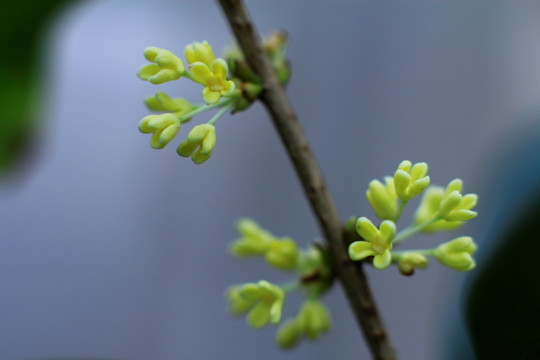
[273, 96]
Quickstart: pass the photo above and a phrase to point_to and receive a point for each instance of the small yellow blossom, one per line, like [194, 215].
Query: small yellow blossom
[164, 126]
[254, 241]
[378, 242]
[202, 137]
[162, 102]
[409, 260]
[288, 334]
[281, 253]
[237, 304]
[209, 72]
[410, 182]
[314, 319]
[383, 198]
[456, 207]
[457, 253]
[265, 299]
[165, 66]
[199, 52]
[447, 203]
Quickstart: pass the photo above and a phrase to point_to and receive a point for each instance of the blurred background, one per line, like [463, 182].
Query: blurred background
[110, 249]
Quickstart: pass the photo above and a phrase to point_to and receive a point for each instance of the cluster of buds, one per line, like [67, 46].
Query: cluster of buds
[312, 321]
[263, 301]
[440, 209]
[448, 205]
[204, 69]
[227, 89]
[281, 253]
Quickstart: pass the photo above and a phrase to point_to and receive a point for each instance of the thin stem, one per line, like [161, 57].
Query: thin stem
[273, 96]
[290, 286]
[425, 252]
[413, 230]
[219, 114]
[204, 108]
[189, 76]
[400, 211]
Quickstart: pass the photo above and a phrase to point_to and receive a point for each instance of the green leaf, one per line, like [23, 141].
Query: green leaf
[21, 31]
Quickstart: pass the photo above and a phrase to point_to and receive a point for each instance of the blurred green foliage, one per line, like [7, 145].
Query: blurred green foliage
[23, 25]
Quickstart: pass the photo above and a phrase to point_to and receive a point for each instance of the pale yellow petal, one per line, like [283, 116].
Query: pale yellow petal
[199, 158]
[200, 72]
[382, 261]
[208, 143]
[220, 69]
[366, 229]
[199, 132]
[168, 134]
[250, 291]
[154, 141]
[209, 96]
[143, 124]
[388, 230]
[150, 53]
[186, 148]
[259, 315]
[204, 53]
[359, 250]
[147, 71]
[228, 88]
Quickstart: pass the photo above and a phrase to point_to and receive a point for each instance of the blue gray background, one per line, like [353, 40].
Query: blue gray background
[109, 248]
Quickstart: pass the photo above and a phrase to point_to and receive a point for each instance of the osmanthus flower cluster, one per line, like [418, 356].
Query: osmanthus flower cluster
[263, 301]
[227, 84]
[440, 209]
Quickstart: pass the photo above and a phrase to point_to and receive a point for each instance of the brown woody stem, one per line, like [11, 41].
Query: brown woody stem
[273, 96]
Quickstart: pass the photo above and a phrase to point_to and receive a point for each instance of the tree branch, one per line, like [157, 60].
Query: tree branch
[283, 116]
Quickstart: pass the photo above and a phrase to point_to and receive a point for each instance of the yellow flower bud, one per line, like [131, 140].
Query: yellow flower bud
[378, 242]
[165, 127]
[202, 137]
[383, 198]
[313, 319]
[457, 253]
[238, 304]
[165, 66]
[255, 241]
[199, 52]
[282, 253]
[410, 182]
[267, 299]
[162, 102]
[288, 334]
[408, 261]
[456, 207]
